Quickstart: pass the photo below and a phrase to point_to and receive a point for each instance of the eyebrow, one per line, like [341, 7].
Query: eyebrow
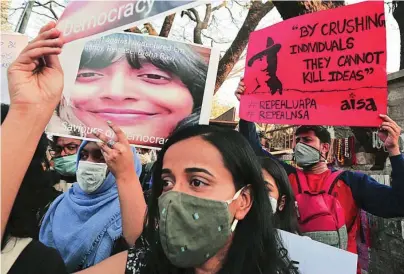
[188, 170]
[196, 169]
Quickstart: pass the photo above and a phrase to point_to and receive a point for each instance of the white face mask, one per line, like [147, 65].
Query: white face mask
[274, 203]
[90, 176]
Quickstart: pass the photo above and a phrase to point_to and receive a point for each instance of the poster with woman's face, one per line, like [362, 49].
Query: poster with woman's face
[148, 86]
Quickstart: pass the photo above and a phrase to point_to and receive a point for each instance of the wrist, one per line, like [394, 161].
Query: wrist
[394, 151]
[34, 111]
[128, 176]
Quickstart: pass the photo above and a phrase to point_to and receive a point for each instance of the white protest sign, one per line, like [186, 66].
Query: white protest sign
[317, 258]
[11, 45]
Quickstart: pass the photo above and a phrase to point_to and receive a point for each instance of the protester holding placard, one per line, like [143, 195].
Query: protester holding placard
[34, 90]
[145, 85]
[353, 190]
[85, 224]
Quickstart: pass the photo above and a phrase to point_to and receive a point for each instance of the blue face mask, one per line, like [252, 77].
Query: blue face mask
[66, 165]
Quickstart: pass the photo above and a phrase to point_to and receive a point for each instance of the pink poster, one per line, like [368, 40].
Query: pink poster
[325, 68]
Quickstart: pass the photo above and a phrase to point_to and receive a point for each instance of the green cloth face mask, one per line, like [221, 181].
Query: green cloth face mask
[66, 165]
[193, 229]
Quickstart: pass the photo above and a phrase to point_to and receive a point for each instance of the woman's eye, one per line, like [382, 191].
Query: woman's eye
[167, 184]
[83, 156]
[197, 183]
[155, 78]
[88, 76]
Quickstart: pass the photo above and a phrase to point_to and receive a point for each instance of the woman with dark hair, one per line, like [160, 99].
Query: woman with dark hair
[145, 85]
[280, 194]
[209, 211]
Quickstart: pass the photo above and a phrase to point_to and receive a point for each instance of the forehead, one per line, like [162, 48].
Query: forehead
[309, 133]
[90, 147]
[193, 152]
[64, 141]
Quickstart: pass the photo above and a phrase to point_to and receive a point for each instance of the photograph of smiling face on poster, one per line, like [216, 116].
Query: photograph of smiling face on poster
[145, 85]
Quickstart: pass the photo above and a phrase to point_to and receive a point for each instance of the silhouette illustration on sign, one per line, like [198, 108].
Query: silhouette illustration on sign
[274, 84]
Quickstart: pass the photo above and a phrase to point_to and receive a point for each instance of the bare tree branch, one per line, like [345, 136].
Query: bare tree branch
[134, 30]
[233, 20]
[168, 23]
[186, 12]
[208, 14]
[196, 14]
[54, 2]
[223, 4]
[48, 8]
[215, 40]
[43, 14]
[150, 29]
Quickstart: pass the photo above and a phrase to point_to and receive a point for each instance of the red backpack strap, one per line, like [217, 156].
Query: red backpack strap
[331, 181]
[301, 181]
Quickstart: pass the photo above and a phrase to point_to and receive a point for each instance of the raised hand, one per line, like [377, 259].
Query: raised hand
[389, 134]
[118, 155]
[30, 81]
[240, 89]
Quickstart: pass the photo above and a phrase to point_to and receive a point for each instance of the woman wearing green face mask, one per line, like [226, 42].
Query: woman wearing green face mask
[209, 211]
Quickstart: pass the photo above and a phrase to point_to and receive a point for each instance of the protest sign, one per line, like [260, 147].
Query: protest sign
[311, 257]
[146, 85]
[11, 46]
[82, 19]
[325, 68]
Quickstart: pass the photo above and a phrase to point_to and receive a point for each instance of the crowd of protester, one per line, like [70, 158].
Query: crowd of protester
[210, 202]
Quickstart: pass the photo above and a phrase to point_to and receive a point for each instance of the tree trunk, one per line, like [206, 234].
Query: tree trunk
[168, 23]
[398, 14]
[26, 14]
[290, 9]
[257, 11]
[201, 25]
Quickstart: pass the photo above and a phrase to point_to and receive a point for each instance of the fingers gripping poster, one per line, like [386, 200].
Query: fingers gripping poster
[146, 85]
[325, 68]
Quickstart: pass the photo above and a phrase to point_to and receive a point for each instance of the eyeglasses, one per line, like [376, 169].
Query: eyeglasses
[69, 149]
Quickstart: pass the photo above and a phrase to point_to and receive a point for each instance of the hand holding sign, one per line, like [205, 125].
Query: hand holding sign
[389, 134]
[240, 89]
[118, 155]
[33, 83]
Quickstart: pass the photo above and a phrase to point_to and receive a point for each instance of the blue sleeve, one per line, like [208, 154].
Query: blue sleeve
[378, 199]
[249, 131]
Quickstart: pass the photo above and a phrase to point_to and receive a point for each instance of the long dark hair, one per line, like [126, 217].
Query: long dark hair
[35, 193]
[287, 218]
[256, 246]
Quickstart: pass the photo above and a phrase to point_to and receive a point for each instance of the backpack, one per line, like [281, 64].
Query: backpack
[320, 215]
